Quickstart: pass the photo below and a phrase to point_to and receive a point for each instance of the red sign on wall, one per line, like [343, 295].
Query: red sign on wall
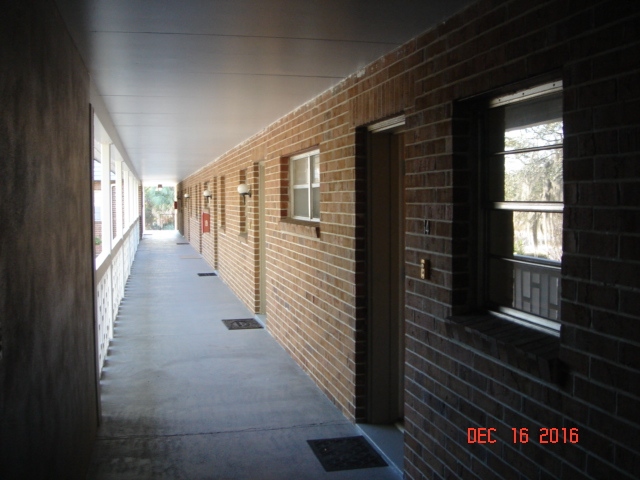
[206, 222]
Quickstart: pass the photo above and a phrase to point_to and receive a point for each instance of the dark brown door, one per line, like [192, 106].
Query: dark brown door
[385, 266]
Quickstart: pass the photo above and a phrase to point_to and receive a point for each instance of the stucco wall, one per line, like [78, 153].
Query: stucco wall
[48, 407]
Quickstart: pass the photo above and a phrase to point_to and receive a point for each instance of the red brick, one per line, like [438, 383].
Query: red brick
[316, 301]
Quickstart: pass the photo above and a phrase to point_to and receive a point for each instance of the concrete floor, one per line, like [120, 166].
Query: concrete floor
[185, 398]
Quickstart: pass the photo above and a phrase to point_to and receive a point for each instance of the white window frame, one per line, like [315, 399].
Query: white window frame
[309, 185]
[519, 315]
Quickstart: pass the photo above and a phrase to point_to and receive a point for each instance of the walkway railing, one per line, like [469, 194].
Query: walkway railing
[111, 278]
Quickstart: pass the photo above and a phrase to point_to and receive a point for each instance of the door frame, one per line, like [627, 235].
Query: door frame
[262, 242]
[384, 256]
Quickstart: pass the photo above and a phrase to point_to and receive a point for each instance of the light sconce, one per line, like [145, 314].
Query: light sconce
[207, 194]
[244, 190]
[186, 196]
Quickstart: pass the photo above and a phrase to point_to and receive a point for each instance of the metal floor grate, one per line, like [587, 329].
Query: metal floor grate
[347, 453]
[241, 323]
[211, 274]
[182, 243]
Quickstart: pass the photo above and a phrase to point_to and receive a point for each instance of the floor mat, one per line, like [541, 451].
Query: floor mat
[241, 323]
[347, 453]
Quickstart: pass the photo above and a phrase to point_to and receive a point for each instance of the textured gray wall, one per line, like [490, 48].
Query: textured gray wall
[48, 407]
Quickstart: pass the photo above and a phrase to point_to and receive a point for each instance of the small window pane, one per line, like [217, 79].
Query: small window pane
[301, 202]
[315, 192]
[533, 176]
[535, 123]
[301, 171]
[530, 288]
[545, 135]
[315, 162]
[526, 234]
[538, 234]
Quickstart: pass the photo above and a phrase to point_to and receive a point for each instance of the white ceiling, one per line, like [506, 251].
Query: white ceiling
[187, 80]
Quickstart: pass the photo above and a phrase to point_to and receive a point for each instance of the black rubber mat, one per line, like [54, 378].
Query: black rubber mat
[211, 274]
[241, 323]
[347, 453]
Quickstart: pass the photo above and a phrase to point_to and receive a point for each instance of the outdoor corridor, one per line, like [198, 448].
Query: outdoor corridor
[185, 398]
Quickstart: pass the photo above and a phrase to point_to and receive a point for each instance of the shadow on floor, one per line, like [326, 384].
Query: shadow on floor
[183, 397]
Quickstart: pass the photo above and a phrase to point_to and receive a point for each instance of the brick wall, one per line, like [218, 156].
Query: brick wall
[456, 377]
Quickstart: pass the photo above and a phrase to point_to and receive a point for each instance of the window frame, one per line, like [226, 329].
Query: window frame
[223, 202]
[490, 206]
[310, 185]
[242, 204]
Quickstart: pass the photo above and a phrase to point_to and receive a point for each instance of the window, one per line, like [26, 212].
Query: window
[223, 217]
[198, 200]
[522, 198]
[243, 206]
[305, 186]
[214, 197]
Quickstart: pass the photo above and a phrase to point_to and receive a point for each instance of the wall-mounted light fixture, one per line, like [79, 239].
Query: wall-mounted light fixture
[207, 194]
[244, 190]
[186, 196]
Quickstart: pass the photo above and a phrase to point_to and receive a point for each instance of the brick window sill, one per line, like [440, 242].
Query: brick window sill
[529, 350]
[300, 227]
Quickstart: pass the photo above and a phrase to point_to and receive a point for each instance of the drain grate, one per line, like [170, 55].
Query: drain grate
[211, 274]
[346, 453]
[183, 243]
[241, 323]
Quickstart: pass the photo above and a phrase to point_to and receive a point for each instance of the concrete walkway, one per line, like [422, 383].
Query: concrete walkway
[185, 398]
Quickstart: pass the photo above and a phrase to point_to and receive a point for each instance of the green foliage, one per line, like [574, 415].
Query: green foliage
[535, 176]
[158, 205]
[160, 201]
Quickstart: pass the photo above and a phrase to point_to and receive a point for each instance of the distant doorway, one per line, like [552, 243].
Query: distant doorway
[385, 273]
[159, 212]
